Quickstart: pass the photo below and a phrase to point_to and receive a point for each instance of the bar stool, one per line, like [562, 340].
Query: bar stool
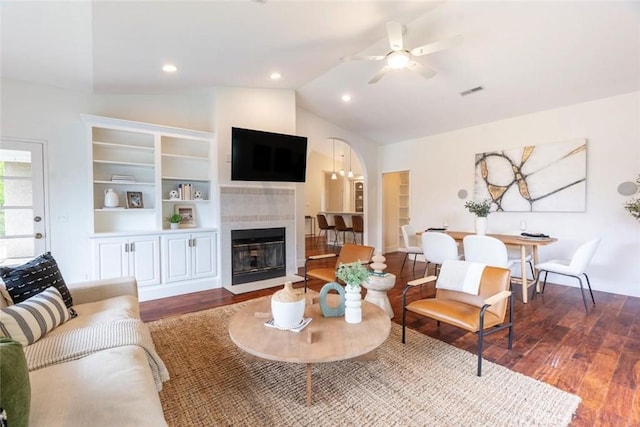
[341, 227]
[357, 223]
[323, 225]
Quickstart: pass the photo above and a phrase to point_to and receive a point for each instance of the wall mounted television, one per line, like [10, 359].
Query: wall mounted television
[266, 156]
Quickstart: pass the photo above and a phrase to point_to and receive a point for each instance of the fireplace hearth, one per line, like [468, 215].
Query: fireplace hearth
[257, 254]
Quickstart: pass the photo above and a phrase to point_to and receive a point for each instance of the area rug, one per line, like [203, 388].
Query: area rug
[422, 383]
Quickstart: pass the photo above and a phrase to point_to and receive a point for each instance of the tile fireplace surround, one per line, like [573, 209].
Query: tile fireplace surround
[244, 208]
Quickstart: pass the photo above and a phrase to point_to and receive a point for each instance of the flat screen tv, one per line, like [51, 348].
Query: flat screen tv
[266, 156]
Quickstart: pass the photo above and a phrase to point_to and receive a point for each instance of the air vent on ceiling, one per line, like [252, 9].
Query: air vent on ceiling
[472, 90]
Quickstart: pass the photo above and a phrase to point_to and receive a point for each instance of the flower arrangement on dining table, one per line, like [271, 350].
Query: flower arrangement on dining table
[633, 205]
[353, 273]
[481, 208]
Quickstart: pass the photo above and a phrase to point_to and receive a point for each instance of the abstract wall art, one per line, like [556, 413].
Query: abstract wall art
[535, 178]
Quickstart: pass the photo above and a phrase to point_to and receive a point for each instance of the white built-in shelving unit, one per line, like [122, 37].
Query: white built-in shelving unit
[151, 160]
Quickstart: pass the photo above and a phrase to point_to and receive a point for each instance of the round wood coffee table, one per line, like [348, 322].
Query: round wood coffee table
[325, 339]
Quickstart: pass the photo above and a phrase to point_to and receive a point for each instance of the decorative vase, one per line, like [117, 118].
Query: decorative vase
[287, 307]
[353, 304]
[481, 225]
[110, 198]
[174, 225]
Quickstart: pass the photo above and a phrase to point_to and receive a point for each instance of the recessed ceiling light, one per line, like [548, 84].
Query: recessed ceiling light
[169, 68]
[346, 97]
[275, 76]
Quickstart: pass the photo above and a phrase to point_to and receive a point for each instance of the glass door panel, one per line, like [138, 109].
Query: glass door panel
[22, 222]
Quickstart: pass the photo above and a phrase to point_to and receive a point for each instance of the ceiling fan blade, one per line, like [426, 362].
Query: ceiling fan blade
[394, 31]
[380, 74]
[436, 46]
[364, 58]
[425, 72]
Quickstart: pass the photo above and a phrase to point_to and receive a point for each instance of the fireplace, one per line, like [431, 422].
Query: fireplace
[257, 254]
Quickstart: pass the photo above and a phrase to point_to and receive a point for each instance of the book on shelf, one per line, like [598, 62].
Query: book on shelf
[123, 178]
[186, 191]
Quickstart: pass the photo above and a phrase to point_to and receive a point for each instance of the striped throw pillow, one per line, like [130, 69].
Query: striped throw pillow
[29, 320]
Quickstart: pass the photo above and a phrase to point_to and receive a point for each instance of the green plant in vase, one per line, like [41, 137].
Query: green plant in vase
[480, 208]
[633, 205]
[174, 220]
[353, 273]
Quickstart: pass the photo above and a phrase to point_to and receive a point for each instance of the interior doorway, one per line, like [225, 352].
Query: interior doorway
[395, 209]
[23, 229]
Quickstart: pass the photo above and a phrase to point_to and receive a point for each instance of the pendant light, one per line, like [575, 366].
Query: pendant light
[350, 174]
[333, 174]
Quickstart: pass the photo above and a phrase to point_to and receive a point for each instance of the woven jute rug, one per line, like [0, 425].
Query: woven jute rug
[424, 382]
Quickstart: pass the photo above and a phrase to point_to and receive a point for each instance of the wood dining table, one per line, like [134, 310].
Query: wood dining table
[525, 244]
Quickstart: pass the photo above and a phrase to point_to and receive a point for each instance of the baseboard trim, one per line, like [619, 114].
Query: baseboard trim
[164, 290]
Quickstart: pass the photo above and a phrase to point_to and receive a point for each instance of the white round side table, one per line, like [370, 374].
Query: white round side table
[377, 291]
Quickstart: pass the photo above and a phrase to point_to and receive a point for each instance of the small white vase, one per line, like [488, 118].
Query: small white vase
[110, 198]
[481, 225]
[353, 304]
[174, 225]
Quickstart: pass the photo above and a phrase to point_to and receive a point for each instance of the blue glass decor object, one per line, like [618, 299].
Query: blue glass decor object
[326, 309]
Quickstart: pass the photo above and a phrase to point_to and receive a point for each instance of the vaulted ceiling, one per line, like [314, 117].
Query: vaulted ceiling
[528, 56]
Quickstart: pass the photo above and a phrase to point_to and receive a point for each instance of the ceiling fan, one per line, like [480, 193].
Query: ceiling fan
[399, 57]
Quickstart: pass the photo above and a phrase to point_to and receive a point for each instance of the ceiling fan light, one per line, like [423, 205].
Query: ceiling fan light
[398, 59]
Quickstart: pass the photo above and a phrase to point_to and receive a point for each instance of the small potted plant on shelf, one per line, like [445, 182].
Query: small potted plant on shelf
[481, 210]
[174, 221]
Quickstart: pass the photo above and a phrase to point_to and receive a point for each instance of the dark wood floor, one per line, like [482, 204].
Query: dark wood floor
[596, 356]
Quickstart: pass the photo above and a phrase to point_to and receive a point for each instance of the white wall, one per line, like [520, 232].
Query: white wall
[442, 164]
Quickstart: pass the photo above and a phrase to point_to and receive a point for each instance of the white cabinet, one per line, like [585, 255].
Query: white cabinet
[144, 163]
[188, 256]
[358, 196]
[137, 256]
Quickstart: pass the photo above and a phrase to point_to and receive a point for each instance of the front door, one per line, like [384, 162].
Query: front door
[23, 233]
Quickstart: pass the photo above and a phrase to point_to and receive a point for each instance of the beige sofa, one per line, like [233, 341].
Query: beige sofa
[109, 387]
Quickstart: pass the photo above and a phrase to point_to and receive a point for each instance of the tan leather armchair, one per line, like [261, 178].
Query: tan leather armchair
[482, 314]
[348, 253]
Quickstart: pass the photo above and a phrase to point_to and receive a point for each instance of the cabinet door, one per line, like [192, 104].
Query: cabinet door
[110, 259]
[144, 260]
[204, 255]
[176, 257]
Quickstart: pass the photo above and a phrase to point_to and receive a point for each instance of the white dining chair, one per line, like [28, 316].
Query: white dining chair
[514, 259]
[438, 247]
[411, 244]
[487, 250]
[575, 267]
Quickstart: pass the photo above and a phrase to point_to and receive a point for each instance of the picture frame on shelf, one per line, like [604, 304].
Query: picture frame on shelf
[134, 200]
[188, 214]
